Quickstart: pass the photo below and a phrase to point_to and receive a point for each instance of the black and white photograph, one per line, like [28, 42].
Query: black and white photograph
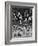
[20, 22]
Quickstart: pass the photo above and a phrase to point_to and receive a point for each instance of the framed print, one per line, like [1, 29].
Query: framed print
[20, 22]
